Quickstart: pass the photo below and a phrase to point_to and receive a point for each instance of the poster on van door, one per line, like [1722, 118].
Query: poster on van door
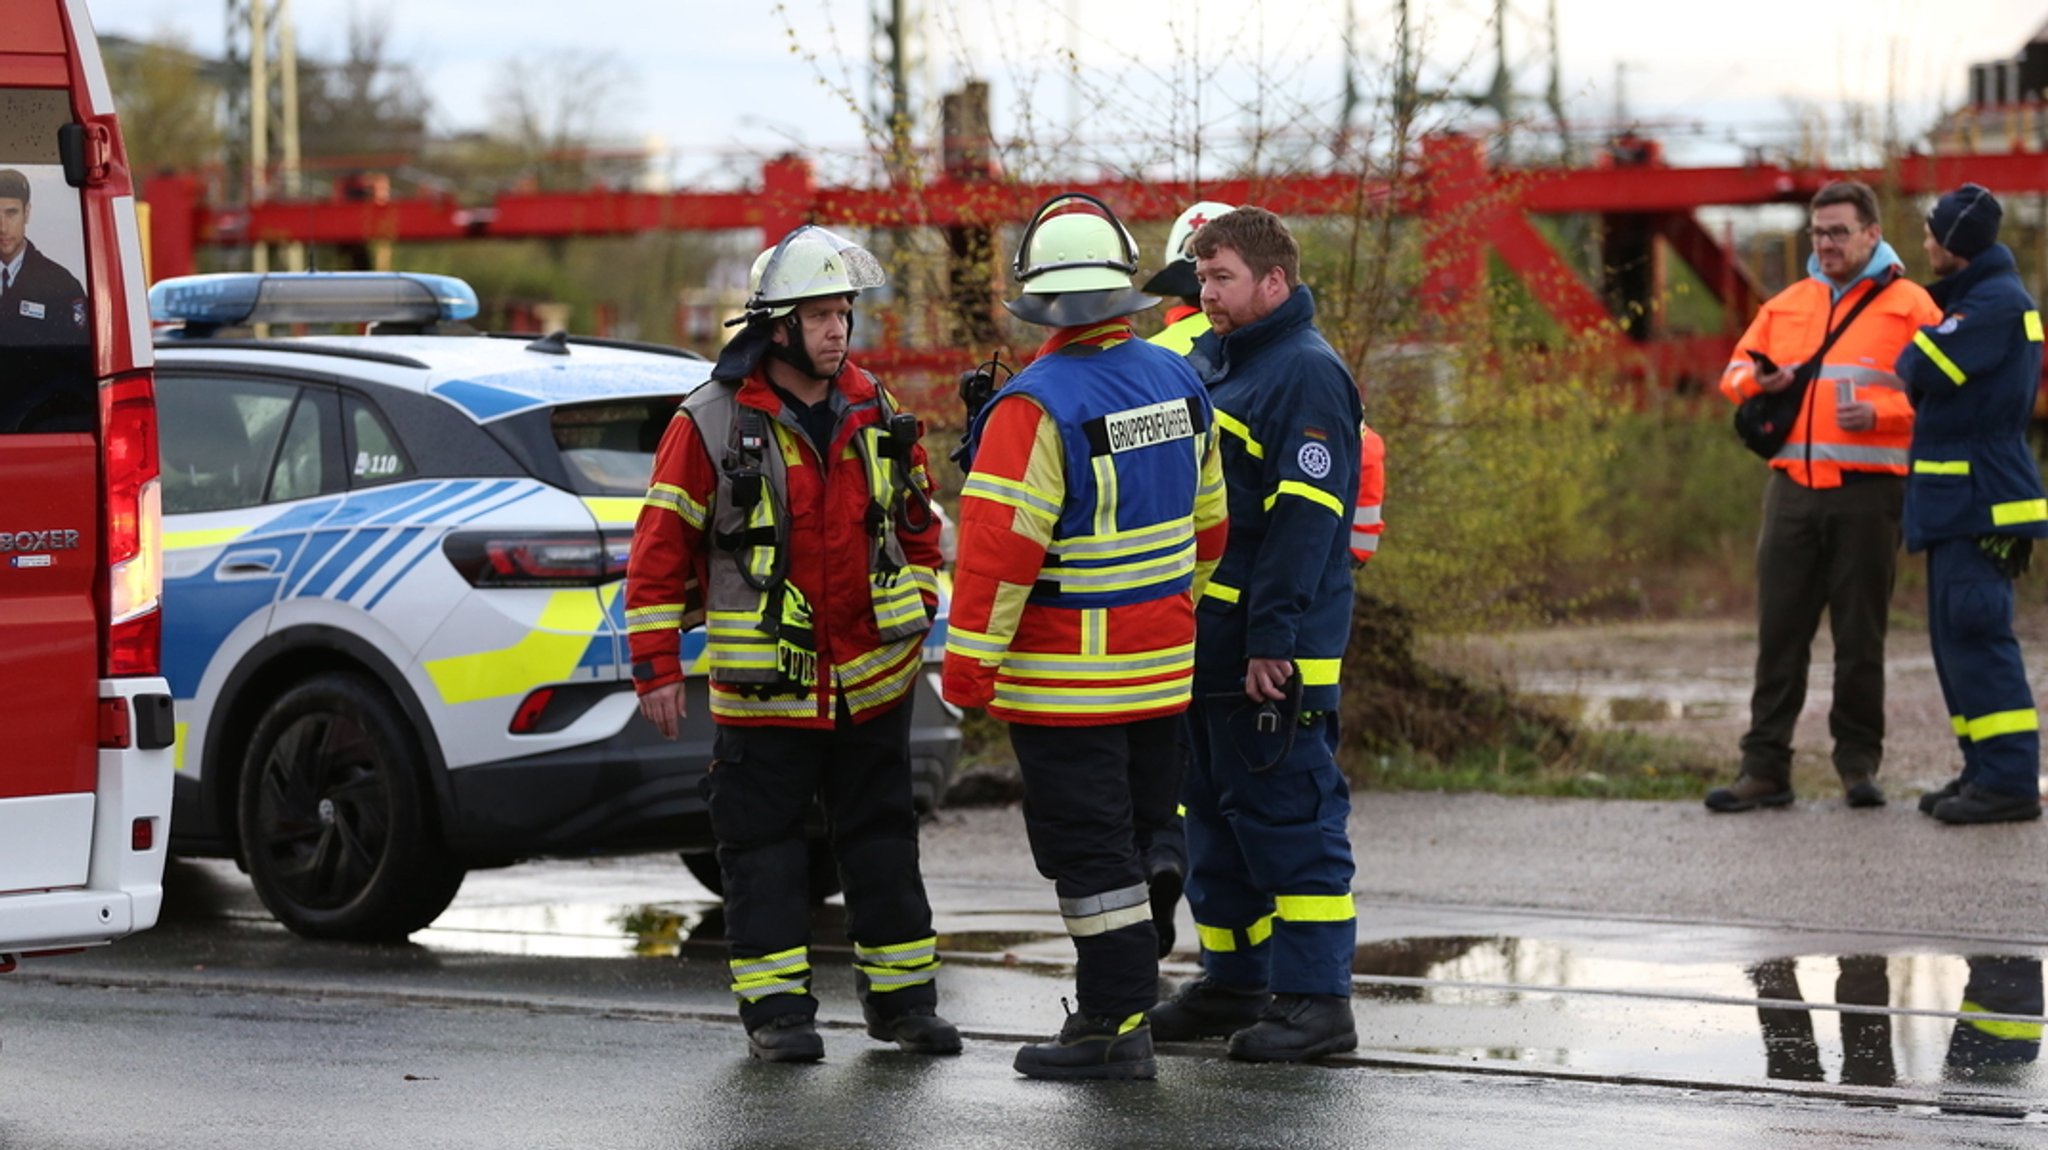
[46, 382]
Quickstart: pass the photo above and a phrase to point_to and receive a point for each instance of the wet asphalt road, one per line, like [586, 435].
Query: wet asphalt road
[1531, 972]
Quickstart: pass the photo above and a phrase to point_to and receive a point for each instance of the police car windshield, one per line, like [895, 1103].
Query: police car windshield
[609, 447]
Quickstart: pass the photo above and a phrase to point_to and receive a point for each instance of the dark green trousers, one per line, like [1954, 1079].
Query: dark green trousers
[1833, 550]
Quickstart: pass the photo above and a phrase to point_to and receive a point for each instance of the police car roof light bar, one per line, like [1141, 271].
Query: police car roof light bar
[237, 299]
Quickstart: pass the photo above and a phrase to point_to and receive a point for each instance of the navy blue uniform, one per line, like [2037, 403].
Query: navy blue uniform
[1972, 380]
[1270, 883]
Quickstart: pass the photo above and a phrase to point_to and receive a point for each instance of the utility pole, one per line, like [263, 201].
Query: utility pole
[262, 46]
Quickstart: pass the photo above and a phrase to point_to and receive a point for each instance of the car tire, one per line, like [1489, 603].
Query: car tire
[703, 866]
[334, 816]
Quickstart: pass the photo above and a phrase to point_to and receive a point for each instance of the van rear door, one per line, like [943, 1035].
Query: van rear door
[85, 783]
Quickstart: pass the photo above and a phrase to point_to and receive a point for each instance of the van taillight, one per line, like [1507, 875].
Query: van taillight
[135, 580]
[539, 559]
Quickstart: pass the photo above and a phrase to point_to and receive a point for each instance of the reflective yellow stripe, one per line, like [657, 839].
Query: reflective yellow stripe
[1315, 907]
[1223, 939]
[1934, 355]
[1011, 493]
[1221, 591]
[784, 972]
[1941, 467]
[2023, 511]
[1091, 698]
[914, 951]
[1259, 931]
[1319, 672]
[1234, 426]
[1961, 724]
[2002, 723]
[1310, 492]
[2001, 1028]
[2033, 321]
[1131, 1023]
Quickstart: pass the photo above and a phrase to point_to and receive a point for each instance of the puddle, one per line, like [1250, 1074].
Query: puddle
[1611, 698]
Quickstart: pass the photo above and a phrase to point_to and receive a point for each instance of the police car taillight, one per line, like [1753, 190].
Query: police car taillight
[551, 559]
[238, 299]
[135, 581]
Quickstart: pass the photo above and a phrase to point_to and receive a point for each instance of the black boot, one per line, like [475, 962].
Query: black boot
[1206, 1009]
[1974, 804]
[1933, 799]
[918, 1030]
[1298, 1027]
[1092, 1048]
[788, 1038]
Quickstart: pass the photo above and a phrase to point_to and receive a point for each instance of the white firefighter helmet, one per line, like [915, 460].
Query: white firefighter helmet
[810, 263]
[1176, 275]
[1075, 261]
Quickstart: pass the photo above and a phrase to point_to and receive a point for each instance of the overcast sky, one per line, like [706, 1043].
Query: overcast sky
[720, 83]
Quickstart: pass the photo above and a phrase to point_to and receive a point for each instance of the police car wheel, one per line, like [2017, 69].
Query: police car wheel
[336, 829]
[703, 866]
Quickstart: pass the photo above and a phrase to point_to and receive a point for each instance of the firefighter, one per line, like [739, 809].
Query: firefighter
[1830, 535]
[1167, 855]
[790, 512]
[1975, 504]
[1088, 524]
[1270, 881]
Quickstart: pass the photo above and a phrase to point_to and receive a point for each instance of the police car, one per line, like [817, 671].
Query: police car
[394, 623]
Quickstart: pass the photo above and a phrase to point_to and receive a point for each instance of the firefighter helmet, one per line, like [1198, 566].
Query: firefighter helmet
[1075, 261]
[1176, 275]
[809, 263]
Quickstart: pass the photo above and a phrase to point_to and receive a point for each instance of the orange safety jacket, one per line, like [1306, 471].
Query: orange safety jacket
[1030, 660]
[829, 555]
[1790, 328]
[1367, 524]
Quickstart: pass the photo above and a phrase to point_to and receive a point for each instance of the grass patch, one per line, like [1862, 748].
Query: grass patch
[1593, 765]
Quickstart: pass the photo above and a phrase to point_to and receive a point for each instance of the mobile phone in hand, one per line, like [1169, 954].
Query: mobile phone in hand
[1764, 366]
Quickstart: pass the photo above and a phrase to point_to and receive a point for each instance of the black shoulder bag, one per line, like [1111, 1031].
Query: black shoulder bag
[1764, 421]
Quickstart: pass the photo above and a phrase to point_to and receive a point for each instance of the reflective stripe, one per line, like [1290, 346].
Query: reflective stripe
[1961, 725]
[662, 617]
[784, 972]
[1224, 940]
[1102, 913]
[884, 690]
[1038, 665]
[2032, 320]
[2011, 1030]
[1364, 541]
[1934, 355]
[961, 641]
[882, 979]
[2023, 511]
[1941, 467]
[1319, 672]
[1091, 698]
[1123, 576]
[899, 954]
[1844, 453]
[2002, 723]
[1300, 490]
[1315, 907]
[1131, 1023]
[879, 659]
[1366, 516]
[1221, 591]
[1011, 493]
[1118, 543]
[1861, 376]
[677, 500]
[1236, 427]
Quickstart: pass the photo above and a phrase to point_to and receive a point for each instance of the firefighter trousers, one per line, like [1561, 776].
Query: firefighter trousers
[1983, 680]
[761, 792]
[1270, 866]
[1091, 794]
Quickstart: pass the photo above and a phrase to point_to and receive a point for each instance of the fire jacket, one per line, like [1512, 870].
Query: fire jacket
[1290, 416]
[1185, 324]
[1088, 526]
[1790, 328]
[1972, 380]
[817, 590]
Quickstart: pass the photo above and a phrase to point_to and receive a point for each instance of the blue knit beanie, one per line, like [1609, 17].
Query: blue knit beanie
[1966, 220]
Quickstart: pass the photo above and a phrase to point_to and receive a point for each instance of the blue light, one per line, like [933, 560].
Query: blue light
[239, 298]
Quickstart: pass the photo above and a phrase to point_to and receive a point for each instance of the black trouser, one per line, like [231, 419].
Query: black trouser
[1834, 550]
[1089, 793]
[760, 792]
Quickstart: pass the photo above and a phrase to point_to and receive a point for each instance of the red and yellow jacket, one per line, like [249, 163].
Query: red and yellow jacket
[1790, 328]
[828, 551]
[1073, 597]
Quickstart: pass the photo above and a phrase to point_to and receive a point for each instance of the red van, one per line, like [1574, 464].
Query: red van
[85, 714]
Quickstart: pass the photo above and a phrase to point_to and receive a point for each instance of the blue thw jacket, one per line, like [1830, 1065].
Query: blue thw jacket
[1972, 379]
[1289, 413]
